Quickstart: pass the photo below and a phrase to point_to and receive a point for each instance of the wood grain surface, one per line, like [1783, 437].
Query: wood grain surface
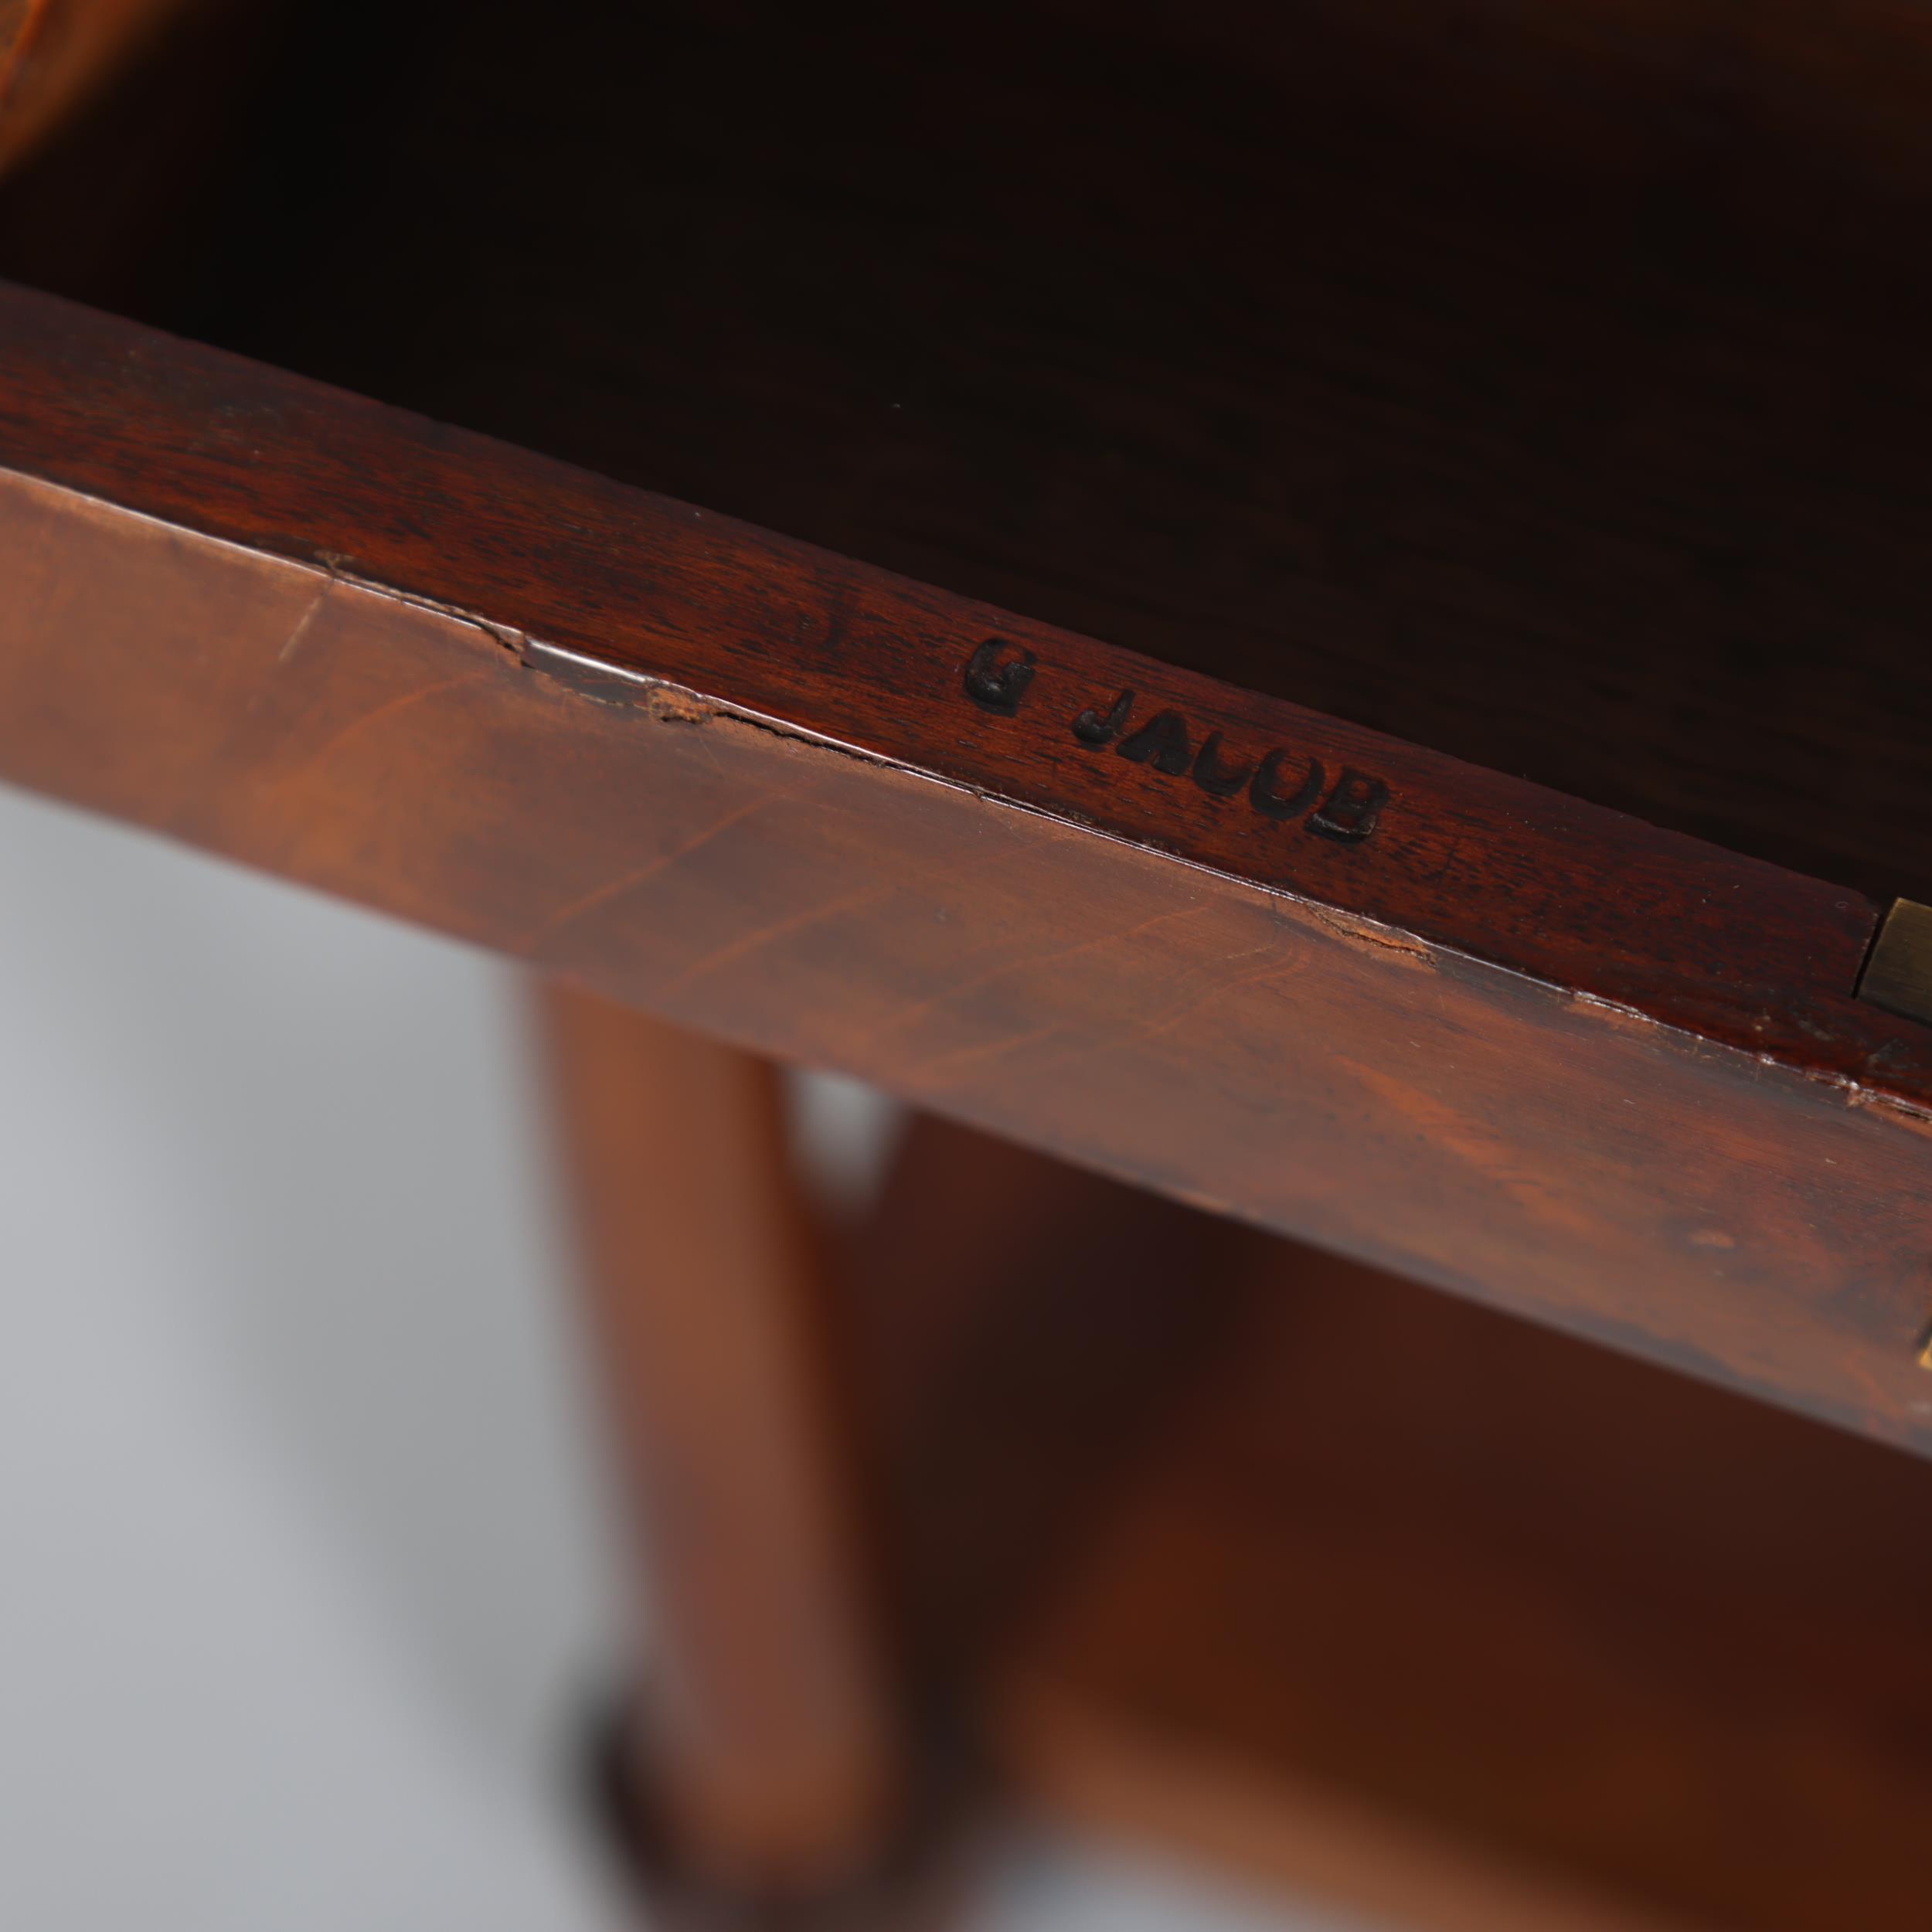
[1246, 1550]
[1489, 441]
[1591, 901]
[1740, 1216]
[1542, 385]
[770, 1747]
[55, 55]
[1470, 1626]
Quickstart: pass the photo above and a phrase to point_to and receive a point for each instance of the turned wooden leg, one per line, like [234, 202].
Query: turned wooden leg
[773, 1745]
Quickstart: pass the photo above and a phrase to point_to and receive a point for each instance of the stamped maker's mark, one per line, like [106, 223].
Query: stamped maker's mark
[1278, 785]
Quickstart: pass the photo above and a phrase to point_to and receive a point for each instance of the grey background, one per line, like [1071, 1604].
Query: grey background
[304, 1566]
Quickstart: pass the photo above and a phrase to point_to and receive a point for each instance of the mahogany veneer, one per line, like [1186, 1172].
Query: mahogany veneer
[1329, 625]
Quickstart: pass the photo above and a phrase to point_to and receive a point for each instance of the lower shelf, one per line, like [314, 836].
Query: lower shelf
[1462, 1624]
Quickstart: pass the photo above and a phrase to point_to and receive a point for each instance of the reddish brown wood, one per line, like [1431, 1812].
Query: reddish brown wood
[1549, 388]
[1462, 1623]
[1588, 900]
[1120, 1783]
[748, 852]
[1718, 1209]
[774, 1742]
[1020, 1332]
[1191, 1030]
[1543, 386]
[54, 54]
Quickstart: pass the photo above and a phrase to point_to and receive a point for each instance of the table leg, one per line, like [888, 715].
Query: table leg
[773, 1745]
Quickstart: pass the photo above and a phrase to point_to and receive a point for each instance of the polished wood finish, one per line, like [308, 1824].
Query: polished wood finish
[1741, 1211]
[1496, 868]
[773, 1745]
[56, 55]
[1462, 1623]
[1517, 1599]
[1555, 1167]
[1543, 385]
[1020, 1332]
[1466, 425]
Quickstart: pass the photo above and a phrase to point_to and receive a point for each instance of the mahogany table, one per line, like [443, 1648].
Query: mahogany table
[1308, 626]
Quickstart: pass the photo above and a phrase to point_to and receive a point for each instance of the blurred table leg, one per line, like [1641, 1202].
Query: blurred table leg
[773, 1742]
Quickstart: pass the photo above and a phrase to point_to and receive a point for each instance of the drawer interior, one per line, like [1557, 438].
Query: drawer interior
[1545, 386]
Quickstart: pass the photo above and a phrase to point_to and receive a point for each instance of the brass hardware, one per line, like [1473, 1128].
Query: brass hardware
[1898, 975]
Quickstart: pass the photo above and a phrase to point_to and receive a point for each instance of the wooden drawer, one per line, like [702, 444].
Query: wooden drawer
[1325, 613]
